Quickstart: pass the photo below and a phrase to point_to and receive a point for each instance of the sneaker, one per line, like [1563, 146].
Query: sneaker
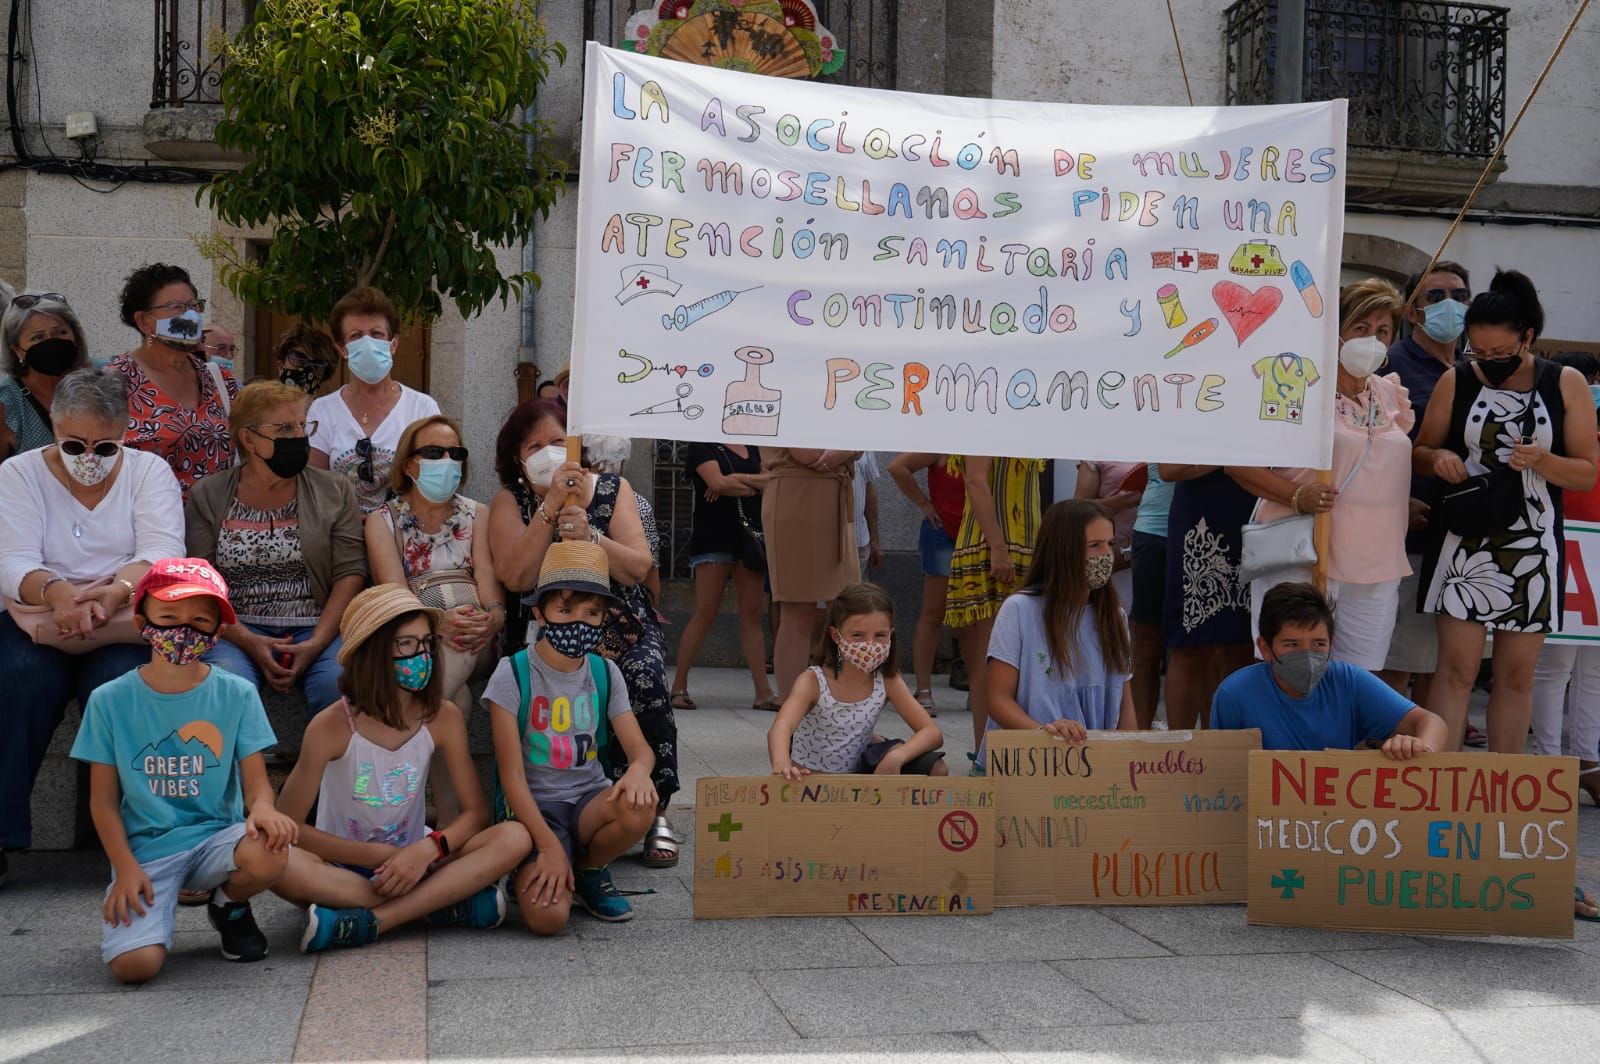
[332, 928]
[977, 768]
[485, 909]
[599, 896]
[242, 940]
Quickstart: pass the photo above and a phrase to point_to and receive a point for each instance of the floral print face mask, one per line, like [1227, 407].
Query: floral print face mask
[181, 644]
[413, 673]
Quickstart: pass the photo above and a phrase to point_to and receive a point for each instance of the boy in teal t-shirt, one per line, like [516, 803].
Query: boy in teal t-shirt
[174, 752]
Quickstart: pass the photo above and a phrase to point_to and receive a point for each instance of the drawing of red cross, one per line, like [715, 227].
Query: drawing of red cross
[643, 282]
[1185, 259]
[1256, 261]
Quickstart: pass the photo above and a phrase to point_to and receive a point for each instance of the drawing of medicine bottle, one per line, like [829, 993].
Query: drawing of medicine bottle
[750, 408]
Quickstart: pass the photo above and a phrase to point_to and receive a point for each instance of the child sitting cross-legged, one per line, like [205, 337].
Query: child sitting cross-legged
[370, 865]
[549, 704]
[827, 723]
[171, 746]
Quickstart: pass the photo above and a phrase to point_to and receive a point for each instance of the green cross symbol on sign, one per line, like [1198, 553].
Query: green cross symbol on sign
[1290, 881]
[725, 827]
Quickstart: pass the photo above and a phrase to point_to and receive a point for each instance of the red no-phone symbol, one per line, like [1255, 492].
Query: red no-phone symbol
[958, 831]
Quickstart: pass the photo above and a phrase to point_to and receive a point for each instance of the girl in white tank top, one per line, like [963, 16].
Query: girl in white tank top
[374, 794]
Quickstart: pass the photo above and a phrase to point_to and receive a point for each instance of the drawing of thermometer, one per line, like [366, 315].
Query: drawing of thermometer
[1194, 336]
[690, 313]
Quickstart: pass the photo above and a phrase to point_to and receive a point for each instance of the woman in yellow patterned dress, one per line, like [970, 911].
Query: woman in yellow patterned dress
[993, 551]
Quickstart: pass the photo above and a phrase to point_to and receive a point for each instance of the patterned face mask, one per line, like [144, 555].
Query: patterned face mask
[413, 673]
[866, 656]
[1099, 570]
[181, 644]
[572, 639]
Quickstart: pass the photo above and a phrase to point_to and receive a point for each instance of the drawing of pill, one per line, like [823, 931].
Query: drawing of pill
[1306, 285]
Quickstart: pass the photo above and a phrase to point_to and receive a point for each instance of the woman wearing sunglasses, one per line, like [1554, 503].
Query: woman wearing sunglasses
[40, 341]
[426, 537]
[287, 539]
[80, 522]
[306, 358]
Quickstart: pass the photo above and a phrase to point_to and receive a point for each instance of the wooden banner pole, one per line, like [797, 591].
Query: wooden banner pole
[574, 455]
[1321, 537]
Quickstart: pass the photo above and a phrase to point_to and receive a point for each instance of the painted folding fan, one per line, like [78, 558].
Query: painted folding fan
[783, 38]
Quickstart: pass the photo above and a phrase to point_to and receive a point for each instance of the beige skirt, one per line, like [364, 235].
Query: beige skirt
[809, 525]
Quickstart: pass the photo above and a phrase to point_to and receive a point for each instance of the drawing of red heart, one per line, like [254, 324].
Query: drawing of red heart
[1245, 310]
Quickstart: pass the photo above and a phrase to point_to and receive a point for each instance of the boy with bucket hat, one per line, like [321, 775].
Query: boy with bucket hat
[550, 705]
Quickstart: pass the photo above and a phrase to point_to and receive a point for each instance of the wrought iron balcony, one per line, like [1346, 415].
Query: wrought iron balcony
[1420, 77]
[188, 69]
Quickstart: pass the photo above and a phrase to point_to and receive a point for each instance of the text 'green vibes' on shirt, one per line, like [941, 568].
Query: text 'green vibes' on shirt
[177, 756]
[559, 756]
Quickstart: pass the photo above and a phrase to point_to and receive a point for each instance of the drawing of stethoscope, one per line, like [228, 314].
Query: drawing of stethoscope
[647, 367]
[675, 405]
[687, 314]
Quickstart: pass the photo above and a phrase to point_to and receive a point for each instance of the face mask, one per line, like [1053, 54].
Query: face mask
[865, 656]
[1444, 320]
[182, 331]
[542, 464]
[180, 644]
[222, 363]
[1594, 392]
[1301, 670]
[51, 357]
[438, 478]
[89, 468]
[413, 673]
[1099, 569]
[1498, 370]
[1361, 355]
[289, 456]
[370, 358]
[571, 639]
[307, 378]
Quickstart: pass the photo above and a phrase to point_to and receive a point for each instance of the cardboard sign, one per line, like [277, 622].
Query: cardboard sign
[1581, 621]
[1127, 818]
[844, 267]
[843, 846]
[1475, 844]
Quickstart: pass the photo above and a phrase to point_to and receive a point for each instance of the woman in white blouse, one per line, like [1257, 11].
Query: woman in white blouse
[80, 522]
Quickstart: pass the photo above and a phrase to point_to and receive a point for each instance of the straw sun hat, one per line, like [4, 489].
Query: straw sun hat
[374, 608]
[573, 567]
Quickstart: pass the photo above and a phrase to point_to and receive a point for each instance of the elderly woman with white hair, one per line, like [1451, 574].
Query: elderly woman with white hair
[40, 341]
[80, 522]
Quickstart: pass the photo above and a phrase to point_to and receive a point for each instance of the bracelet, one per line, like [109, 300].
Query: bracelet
[54, 579]
[131, 589]
[441, 843]
[501, 606]
[546, 518]
[1294, 500]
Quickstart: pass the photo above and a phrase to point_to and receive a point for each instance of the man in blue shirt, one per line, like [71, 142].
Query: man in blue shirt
[1302, 701]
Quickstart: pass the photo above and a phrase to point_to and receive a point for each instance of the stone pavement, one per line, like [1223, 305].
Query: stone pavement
[1110, 984]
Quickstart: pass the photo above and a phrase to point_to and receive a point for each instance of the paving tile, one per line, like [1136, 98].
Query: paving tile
[931, 998]
[1034, 934]
[1514, 1036]
[1482, 975]
[509, 951]
[516, 1018]
[1172, 1043]
[343, 1019]
[728, 945]
[672, 899]
[1221, 929]
[933, 1048]
[70, 964]
[1219, 988]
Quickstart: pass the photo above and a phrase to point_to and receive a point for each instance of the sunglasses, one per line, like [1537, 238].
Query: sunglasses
[105, 448]
[1439, 295]
[33, 299]
[433, 452]
[297, 360]
[364, 452]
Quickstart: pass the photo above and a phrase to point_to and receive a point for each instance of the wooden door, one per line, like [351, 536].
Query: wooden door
[410, 362]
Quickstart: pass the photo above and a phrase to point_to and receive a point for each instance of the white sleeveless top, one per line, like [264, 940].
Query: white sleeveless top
[376, 795]
[833, 736]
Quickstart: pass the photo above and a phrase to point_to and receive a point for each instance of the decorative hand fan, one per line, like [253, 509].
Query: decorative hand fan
[782, 38]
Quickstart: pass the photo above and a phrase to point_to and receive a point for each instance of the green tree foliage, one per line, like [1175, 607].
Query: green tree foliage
[388, 143]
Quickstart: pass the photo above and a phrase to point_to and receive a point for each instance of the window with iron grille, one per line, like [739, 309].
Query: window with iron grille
[188, 67]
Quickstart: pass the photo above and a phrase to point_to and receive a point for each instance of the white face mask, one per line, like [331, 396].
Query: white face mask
[542, 464]
[89, 468]
[1361, 355]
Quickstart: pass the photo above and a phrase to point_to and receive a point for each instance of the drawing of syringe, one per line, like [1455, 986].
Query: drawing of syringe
[690, 313]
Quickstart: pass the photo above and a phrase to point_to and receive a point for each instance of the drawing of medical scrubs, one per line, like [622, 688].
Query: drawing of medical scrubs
[1284, 380]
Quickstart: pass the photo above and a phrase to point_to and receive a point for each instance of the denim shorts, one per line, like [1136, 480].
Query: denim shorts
[204, 867]
[562, 820]
[936, 548]
[715, 557]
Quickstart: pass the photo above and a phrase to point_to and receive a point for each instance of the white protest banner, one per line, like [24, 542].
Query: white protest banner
[771, 261]
[1580, 619]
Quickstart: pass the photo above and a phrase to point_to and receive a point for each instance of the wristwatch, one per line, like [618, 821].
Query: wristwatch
[441, 842]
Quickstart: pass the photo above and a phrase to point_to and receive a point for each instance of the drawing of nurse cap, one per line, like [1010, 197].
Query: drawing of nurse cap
[644, 279]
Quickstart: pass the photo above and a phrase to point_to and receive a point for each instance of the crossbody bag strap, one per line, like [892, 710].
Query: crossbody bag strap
[399, 538]
[221, 386]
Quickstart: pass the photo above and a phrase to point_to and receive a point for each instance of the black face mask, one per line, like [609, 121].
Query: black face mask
[307, 378]
[289, 456]
[52, 357]
[1499, 370]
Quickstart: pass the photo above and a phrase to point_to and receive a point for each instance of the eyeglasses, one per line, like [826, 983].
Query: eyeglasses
[103, 448]
[32, 299]
[433, 452]
[364, 452]
[223, 349]
[179, 306]
[406, 646]
[281, 429]
[299, 360]
[1439, 295]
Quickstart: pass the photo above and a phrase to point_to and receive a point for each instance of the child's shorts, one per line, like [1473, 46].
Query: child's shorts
[204, 867]
[921, 765]
[562, 818]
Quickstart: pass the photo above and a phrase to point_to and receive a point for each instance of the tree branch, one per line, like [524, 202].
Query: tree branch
[370, 264]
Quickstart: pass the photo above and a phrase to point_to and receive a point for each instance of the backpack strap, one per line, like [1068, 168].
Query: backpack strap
[500, 809]
[1467, 388]
[221, 386]
[600, 672]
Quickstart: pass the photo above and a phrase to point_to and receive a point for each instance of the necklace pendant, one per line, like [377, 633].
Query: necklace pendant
[77, 530]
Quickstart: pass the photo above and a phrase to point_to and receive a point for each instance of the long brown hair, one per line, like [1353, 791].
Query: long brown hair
[1058, 576]
[853, 601]
[368, 679]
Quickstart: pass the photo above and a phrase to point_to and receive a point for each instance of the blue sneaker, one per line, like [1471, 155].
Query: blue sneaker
[332, 928]
[599, 896]
[485, 909]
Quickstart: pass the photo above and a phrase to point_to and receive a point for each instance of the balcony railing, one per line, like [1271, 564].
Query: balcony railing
[1423, 77]
[187, 68]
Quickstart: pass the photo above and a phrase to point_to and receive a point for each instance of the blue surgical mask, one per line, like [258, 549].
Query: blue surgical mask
[370, 358]
[438, 478]
[222, 363]
[181, 331]
[1444, 320]
[1594, 390]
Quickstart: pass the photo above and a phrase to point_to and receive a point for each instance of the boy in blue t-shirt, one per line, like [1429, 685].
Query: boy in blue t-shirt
[170, 746]
[1302, 701]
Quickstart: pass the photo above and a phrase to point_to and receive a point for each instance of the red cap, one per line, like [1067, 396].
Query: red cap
[175, 579]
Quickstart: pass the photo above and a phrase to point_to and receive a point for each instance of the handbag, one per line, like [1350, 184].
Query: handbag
[752, 540]
[442, 589]
[39, 623]
[1486, 503]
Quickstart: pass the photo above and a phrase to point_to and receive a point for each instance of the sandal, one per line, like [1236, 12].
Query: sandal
[770, 704]
[681, 700]
[659, 840]
[1474, 737]
[1581, 898]
[924, 697]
